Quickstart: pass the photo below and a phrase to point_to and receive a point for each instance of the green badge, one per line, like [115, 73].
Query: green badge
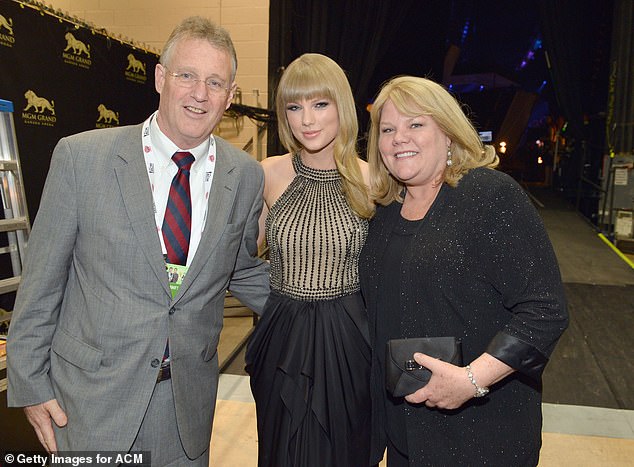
[175, 275]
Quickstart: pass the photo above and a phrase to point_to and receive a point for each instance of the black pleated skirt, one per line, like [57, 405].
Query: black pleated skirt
[309, 364]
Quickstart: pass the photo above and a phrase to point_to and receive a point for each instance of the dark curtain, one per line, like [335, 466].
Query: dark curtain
[576, 37]
[562, 29]
[620, 124]
[354, 33]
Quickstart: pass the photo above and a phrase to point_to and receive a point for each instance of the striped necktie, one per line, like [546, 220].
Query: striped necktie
[178, 215]
[178, 218]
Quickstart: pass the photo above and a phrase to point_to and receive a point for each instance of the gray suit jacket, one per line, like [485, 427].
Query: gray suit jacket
[94, 308]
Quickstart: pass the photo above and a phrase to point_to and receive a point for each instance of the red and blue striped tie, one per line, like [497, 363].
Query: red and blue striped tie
[178, 215]
[178, 218]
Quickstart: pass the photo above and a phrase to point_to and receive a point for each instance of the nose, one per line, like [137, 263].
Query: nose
[308, 117]
[400, 135]
[199, 90]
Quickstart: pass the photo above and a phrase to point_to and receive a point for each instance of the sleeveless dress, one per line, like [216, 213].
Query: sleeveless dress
[309, 356]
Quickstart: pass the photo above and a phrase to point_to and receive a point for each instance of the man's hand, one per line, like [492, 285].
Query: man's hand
[40, 416]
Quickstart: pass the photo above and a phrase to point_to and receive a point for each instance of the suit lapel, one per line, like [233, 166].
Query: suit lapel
[224, 187]
[137, 198]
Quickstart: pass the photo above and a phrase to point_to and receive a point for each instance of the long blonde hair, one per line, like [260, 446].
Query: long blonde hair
[413, 96]
[314, 75]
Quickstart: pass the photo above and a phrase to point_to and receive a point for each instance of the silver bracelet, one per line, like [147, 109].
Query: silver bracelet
[480, 391]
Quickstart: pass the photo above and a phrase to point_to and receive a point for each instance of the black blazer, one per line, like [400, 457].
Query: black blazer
[481, 268]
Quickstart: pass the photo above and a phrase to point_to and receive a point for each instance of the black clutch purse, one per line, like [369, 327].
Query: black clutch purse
[403, 375]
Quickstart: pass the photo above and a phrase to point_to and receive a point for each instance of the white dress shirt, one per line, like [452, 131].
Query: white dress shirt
[165, 170]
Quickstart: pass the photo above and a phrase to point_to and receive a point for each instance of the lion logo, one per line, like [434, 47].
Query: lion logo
[38, 103]
[135, 65]
[6, 24]
[106, 115]
[78, 46]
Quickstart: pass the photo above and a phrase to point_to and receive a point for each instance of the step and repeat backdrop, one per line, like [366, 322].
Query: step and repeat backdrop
[64, 77]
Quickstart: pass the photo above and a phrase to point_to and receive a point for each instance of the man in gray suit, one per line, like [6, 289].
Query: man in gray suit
[105, 357]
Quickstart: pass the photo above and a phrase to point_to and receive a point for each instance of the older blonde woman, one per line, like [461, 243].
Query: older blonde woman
[455, 249]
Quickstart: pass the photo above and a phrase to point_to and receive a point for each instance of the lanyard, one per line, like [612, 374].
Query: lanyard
[151, 161]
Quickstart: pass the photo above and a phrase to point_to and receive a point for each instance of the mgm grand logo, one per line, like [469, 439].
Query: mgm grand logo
[107, 118]
[6, 32]
[135, 70]
[76, 52]
[38, 110]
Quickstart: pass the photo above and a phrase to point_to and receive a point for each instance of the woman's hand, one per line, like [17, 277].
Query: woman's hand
[448, 387]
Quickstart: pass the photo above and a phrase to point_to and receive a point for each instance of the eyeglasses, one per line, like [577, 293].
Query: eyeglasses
[189, 80]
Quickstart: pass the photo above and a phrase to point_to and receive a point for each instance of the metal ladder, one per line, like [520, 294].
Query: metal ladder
[16, 217]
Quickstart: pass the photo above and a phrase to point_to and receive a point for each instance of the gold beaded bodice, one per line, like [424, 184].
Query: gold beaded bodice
[314, 237]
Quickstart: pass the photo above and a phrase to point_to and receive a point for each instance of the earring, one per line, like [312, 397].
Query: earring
[449, 161]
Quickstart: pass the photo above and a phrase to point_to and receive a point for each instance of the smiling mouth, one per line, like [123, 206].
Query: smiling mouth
[402, 155]
[196, 110]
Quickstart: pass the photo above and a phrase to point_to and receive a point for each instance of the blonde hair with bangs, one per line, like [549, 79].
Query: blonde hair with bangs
[413, 96]
[317, 76]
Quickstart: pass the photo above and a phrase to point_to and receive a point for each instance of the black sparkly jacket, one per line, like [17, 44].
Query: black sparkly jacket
[481, 267]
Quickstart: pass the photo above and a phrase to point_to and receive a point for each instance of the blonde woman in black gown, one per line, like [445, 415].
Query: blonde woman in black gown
[309, 356]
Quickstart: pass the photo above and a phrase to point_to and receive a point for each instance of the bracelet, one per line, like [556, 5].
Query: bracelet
[480, 391]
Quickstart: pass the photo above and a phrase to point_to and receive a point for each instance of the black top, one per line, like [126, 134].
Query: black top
[481, 268]
[393, 290]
